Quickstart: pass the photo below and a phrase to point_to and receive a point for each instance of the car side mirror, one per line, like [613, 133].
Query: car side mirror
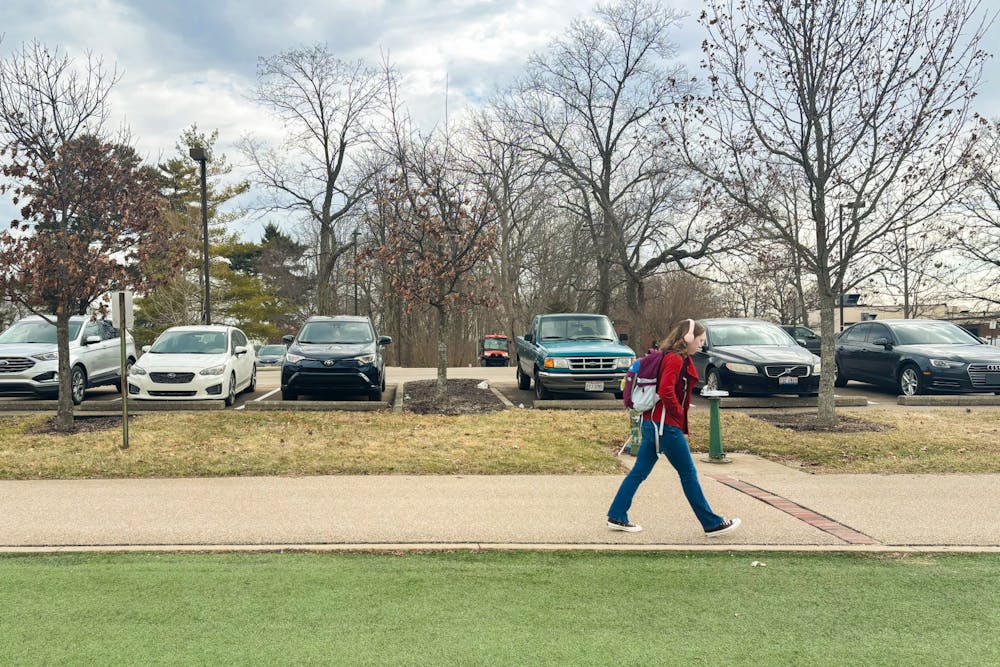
[92, 339]
[623, 337]
[239, 350]
[883, 341]
[801, 341]
[528, 337]
[145, 348]
[384, 340]
[287, 340]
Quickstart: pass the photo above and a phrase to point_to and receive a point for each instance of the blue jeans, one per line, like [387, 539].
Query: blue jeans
[675, 447]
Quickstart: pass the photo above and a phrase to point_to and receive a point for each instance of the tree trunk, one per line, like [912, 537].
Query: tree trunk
[442, 356]
[827, 412]
[64, 414]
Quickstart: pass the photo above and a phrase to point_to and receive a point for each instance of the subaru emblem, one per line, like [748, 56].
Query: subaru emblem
[171, 375]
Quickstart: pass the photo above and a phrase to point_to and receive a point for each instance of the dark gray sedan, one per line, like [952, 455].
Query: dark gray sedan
[917, 356]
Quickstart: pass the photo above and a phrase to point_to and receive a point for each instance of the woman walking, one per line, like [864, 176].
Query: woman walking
[663, 429]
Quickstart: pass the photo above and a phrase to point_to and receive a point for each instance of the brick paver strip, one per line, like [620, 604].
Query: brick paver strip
[824, 523]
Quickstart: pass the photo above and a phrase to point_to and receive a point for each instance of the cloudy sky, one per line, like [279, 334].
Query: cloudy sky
[186, 61]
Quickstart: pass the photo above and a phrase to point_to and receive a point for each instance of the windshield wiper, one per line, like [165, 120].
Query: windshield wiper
[553, 338]
[591, 338]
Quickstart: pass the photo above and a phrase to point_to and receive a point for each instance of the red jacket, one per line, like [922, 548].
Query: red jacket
[675, 394]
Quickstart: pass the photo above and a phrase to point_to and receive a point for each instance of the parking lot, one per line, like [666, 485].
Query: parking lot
[502, 379]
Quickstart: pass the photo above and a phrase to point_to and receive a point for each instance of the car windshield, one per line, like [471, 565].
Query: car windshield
[722, 335]
[271, 350]
[932, 333]
[329, 333]
[191, 342]
[495, 344]
[576, 328]
[36, 331]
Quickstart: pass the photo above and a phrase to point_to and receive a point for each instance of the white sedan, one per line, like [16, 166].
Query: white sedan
[195, 363]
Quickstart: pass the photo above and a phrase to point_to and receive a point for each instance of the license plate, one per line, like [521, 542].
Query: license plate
[593, 386]
[788, 379]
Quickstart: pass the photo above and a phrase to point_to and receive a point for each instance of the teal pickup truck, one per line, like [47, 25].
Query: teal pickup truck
[572, 352]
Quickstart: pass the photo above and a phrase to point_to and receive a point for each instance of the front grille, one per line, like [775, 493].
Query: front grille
[592, 363]
[791, 371]
[985, 375]
[171, 378]
[172, 393]
[15, 364]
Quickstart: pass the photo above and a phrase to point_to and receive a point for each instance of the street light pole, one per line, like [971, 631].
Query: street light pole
[198, 153]
[355, 270]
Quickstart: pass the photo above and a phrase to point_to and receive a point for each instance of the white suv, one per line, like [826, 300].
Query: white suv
[29, 361]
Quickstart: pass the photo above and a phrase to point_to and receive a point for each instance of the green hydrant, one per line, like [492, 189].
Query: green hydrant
[715, 453]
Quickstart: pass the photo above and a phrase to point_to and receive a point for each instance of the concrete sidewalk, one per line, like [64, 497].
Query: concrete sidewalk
[781, 508]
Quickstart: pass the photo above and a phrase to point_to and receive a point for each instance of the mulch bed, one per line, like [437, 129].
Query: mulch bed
[84, 425]
[464, 398]
[805, 421]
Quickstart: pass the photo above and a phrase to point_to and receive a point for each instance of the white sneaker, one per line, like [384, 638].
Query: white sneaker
[727, 526]
[627, 526]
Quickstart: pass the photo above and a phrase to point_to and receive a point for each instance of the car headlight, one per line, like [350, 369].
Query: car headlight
[214, 370]
[365, 359]
[624, 362]
[556, 362]
[746, 369]
[137, 370]
[46, 356]
[293, 358]
[817, 369]
[946, 363]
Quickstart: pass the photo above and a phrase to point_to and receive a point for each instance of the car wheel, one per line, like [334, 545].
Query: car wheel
[374, 394]
[712, 379]
[77, 385]
[619, 395]
[383, 381]
[541, 393]
[231, 396]
[523, 381]
[838, 379]
[289, 394]
[252, 387]
[910, 383]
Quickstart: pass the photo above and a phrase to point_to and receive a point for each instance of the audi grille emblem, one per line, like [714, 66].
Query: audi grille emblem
[329, 362]
[993, 368]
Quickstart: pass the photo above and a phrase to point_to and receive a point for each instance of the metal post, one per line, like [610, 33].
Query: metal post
[355, 270]
[124, 369]
[843, 272]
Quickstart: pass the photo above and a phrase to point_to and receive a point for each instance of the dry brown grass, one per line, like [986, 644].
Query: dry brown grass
[509, 442]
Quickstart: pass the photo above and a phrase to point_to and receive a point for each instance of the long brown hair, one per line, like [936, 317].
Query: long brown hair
[674, 341]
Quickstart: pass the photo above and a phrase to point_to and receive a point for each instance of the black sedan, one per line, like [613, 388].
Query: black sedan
[744, 356]
[917, 356]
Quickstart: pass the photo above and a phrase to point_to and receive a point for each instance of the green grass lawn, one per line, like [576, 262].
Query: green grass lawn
[191, 444]
[500, 609]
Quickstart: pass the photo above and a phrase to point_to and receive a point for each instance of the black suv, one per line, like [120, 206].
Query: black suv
[341, 354]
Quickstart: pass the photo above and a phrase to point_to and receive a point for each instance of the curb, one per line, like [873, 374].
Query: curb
[417, 547]
[974, 399]
[568, 404]
[789, 402]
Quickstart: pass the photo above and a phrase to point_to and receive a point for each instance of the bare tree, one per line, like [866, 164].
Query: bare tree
[589, 106]
[977, 235]
[514, 184]
[860, 104]
[327, 106]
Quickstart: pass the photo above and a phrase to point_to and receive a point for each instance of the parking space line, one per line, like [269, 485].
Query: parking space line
[270, 393]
